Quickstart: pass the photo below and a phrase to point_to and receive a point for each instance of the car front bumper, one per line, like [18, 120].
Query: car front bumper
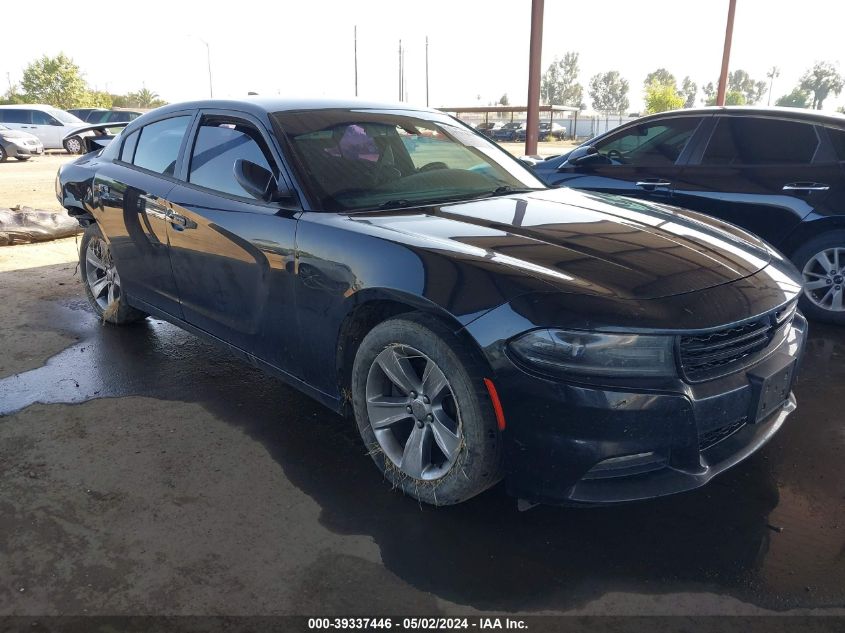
[19, 150]
[580, 444]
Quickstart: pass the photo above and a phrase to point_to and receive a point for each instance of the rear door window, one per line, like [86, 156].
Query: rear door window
[760, 141]
[218, 145]
[158, 146]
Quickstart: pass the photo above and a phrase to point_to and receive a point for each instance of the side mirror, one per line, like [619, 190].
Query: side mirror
[259, 182]
[581, 154]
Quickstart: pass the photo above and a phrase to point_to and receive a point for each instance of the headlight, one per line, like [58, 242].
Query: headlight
[592, 354]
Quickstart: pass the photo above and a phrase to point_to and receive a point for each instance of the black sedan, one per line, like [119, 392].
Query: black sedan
[396, 265]
[508, 132]
[777, 172]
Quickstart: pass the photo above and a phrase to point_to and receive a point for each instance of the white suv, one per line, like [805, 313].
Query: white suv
[49, 124]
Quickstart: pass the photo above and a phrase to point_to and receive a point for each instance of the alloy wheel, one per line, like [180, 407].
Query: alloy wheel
[101, 273]
[73, 145]
[413, 413]
[824, 279]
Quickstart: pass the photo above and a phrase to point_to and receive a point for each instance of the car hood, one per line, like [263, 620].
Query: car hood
[589, 243]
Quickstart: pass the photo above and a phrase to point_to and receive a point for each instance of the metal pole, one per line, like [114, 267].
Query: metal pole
[726, 54]
[536, 49]
[774, 72]
[355, 46]
[426, 71]
[208, 59]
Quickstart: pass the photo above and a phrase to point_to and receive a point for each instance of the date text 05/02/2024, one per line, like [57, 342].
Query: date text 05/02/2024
[424, 623]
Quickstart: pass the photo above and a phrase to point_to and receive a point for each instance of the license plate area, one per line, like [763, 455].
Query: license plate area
[772, 391]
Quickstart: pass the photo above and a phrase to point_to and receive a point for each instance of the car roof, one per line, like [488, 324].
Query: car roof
[267, 105]
[800, 114]
[30, 106]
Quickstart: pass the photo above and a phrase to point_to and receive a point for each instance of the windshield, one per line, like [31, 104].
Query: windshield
[66, 117]
[368, 159]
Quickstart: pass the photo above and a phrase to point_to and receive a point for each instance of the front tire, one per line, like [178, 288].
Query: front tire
[74, 145]
[423, 413]
[3, 155]
[102, 281]
[821, 262]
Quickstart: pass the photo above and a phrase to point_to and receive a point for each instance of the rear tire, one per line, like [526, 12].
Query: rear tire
[821, 262]
[101, 280]
[435, 437]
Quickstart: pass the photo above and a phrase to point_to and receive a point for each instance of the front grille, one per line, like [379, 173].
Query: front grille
[703, 355]
[711, 438]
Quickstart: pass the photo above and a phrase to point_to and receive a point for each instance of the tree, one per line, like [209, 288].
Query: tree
[503, 100]
[662, 77]
[709, 94]
[689, 91]
[821, 80]
[841, 109]
[144, 98]
[559, 85]
[798, 98]
[96, 99]
[609, 92]
[735, 97]
[54, 80]
[661, 97]
[752, 90]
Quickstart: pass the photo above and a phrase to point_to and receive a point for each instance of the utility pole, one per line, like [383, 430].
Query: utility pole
[400, 70]
[532, 131]
[208, 59]
[726, 54]
[426, 71]
[356, 58]
[774, 72]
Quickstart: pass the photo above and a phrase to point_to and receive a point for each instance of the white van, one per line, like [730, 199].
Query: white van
[49, 124]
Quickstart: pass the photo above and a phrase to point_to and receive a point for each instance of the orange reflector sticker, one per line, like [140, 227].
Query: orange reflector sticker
[497, 404]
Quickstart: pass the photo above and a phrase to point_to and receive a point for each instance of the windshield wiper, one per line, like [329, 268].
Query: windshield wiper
[395, 204]
[504, 189]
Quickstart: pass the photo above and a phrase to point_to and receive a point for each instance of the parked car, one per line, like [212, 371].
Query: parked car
[102, 115]
[113, 116]
[49, 124]
[17, 144]
[488, 128]
[777, 172]
[547, 131]
[588, 348]
[508, 131]
[83, 113]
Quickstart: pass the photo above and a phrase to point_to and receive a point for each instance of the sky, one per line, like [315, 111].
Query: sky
[478, 49]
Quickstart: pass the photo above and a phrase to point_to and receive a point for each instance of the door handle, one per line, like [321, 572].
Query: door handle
[175, 218]
[806, 186]
[646, 184]
[153, 208]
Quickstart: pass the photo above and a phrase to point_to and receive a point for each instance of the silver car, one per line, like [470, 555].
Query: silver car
[51, 125]
[17, 144]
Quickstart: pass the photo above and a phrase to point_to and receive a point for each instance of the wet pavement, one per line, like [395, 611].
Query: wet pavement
[146, 471]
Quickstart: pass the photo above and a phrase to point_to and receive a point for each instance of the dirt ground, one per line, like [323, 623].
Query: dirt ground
[31, 183]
